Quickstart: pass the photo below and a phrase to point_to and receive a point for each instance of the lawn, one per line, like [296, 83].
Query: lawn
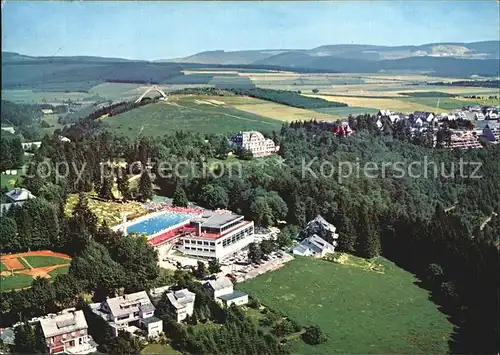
[3, 267]
[362, 310]
[9, 181]
[159, 349]
[15, 281]
[59, 271]
[187, 113]
[40, 261]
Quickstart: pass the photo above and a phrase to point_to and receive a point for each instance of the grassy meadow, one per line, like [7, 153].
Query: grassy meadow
[363, 308]
[188, 113]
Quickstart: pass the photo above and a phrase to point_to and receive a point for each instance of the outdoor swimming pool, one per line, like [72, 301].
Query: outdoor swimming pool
[159, 222]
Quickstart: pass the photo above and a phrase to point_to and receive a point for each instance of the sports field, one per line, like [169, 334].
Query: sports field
[18, 270]
[363, 308]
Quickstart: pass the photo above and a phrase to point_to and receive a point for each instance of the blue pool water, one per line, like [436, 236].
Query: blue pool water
[155, 224]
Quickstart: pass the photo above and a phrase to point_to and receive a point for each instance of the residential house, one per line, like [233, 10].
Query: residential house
[491, 115]
[16, 197]
[47, 111]
[423, 116]
[64, 139]
[130, 312]
[67, 332]
[314, 246]
[384, 113]
[222, 291]
[9, 129]
[8, 336]
[31, 145]
[183, 303]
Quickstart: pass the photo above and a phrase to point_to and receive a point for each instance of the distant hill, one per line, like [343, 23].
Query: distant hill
[223, 57]
[443, 59]
[475, 50]
[79, 73]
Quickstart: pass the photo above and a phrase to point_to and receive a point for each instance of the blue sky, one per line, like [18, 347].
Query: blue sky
[159, 30]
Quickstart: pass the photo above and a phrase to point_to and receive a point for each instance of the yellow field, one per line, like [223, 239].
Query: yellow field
[380, 103]
[274, 110]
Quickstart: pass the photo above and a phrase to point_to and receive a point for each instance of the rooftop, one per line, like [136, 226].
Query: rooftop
[63, 323]
[220, 283]
[19, 194]
[130, 303]
[180, 298]
[215, 220]
[232, 296]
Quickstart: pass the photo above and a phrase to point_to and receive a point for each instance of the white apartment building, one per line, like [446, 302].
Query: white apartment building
[217, 235]
[183, 303]
[256, 143]
[130, 312]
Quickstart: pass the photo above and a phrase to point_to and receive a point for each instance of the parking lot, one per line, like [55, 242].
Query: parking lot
[243, 272]
[237, 265]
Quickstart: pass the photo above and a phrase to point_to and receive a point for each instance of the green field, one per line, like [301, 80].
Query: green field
[444, 103]
[346, 111]
[15, 281]
[40, 261]
[362, 311]
[166, 349]
[3, 267]
[188, 113]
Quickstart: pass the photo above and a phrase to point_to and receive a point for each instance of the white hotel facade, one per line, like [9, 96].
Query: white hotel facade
[256, 143]
[215, 235]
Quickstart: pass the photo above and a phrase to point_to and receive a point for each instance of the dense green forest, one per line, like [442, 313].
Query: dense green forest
[12, 151]
[477, 83]
[444, 227]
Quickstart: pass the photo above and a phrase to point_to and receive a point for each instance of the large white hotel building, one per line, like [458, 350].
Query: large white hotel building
[214, 235]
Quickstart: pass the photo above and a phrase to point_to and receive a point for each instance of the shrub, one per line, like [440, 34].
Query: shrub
[314, 335]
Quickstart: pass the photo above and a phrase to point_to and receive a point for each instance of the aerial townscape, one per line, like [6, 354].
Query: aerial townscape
[250, 178]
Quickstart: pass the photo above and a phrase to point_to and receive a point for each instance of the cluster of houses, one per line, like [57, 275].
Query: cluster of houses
[67, 331]
[484, 125]
[313, 244]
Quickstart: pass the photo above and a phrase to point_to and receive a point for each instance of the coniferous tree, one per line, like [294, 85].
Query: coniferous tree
[145, 186]
[180, 198]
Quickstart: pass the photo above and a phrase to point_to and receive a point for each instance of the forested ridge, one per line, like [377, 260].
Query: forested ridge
[430, 226]
[284, 97]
